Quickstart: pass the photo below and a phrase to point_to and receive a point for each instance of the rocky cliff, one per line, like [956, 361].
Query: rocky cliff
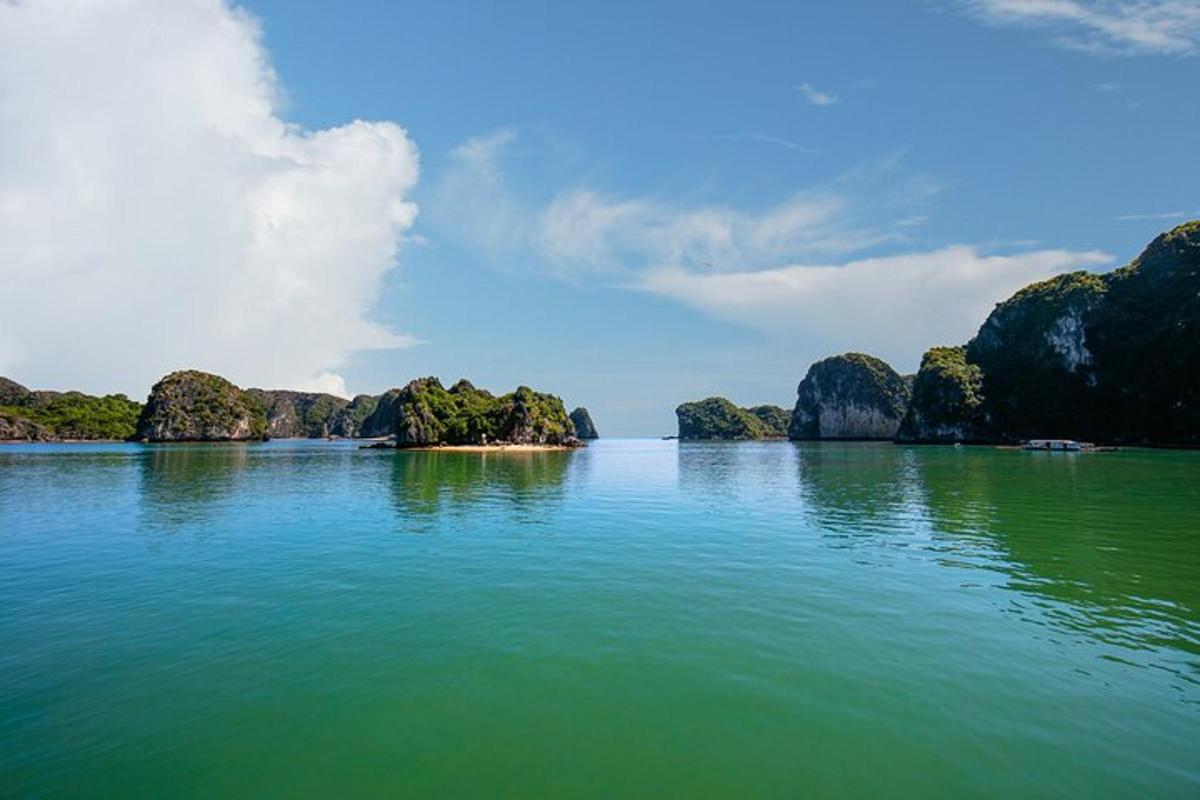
[196, 406]
[718, 418]
[851, 396]
[1111, 358]
[293, 415]
[54, 416]
[424, 413]
[11, 392]
[584, 427]
[350, 421]
[947, 400]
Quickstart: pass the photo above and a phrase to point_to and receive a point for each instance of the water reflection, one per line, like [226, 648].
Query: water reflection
[184, 485]
[426, 483]
[1105, 544]
[854, 489]
[723, 471]
[1117, 553]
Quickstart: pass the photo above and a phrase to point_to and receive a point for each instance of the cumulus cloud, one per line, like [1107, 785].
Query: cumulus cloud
[894, 306]
[156, 212]
[1112, 27]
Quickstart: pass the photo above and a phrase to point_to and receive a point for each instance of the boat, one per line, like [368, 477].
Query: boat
[1057, 445]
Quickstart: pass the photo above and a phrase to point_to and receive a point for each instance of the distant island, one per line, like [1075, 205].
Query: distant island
[194, 406]
[584, 427]
[718, 418]
[1111, 358]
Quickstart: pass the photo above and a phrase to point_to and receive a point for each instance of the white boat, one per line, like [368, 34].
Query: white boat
[1059, 445]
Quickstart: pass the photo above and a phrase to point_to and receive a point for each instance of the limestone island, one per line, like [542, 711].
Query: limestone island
[1111, 358]
[195, 406]
[719, 418]
[584, 427]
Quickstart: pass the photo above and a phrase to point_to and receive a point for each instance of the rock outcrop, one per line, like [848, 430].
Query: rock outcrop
[774, 419]
[20, 429]
[1108, 358]
[851, 396]
[718, 418]
[57, 416]
[947, 400]
[292, 415]
[584, 427]
[196, 406]
[381, 419]
[348, 423]
[12, 393]
[424, 414]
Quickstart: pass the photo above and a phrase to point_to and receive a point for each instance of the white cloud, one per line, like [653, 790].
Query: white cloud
[156, 213]
[726, 262]
[1113, 27]
[815, 96]
[1141, 217]
[581, 231]
[894, 307]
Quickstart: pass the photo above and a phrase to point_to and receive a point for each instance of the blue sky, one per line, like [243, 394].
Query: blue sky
[636, 204]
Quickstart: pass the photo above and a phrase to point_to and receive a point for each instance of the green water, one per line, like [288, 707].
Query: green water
[642, 619]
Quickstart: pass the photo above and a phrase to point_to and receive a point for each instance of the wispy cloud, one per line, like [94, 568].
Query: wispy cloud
[764, 138]
[804, 268]
[1108, 87]
[894, 306]
[1168, 215]
[1106, 27]
[581, 230]
[815, 96]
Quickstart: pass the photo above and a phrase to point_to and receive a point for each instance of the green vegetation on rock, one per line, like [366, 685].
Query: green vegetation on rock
[424, 413]
[718, 418]
[849, 396]
[947, 400]
[1110, 358]
[773, 418]
[300, 414]
[190, 405]
[350, 420]
[1034, 355]
[48, 416]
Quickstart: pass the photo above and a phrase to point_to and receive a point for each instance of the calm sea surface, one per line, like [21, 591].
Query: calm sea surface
[643, 618]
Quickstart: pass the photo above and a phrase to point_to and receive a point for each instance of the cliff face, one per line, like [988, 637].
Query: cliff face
[718, 418]
[196, 406]
[300, 414]
[425, 413]
[349, 421]
[947, 400]
[1111, 358]
[1146, 344]
[584, 427]
[51, 416]
[851, 396]
[21, 429]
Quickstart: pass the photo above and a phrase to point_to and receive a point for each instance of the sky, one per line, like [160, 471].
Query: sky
[630, 205]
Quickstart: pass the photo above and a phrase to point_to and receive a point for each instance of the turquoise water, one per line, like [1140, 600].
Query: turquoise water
[644, 618]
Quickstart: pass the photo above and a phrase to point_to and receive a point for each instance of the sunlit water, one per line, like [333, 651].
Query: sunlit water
[644, 618]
